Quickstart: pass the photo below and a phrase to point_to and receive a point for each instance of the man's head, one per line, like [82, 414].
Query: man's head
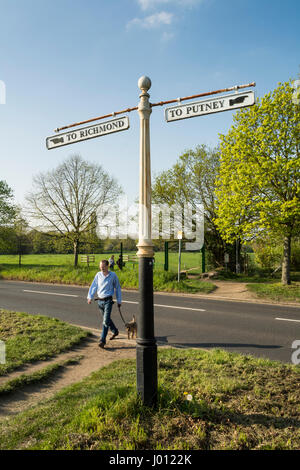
[104, 266]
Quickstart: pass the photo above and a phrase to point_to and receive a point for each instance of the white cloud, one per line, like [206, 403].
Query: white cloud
[152, 21]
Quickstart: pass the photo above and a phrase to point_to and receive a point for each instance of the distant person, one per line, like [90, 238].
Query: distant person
[111, 262]
[120, 263]
[105, 283]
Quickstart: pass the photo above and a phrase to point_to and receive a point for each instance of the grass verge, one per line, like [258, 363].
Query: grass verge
[162, 281]
[43, 374]
[276, 291]
[206, 400]
[31, 338]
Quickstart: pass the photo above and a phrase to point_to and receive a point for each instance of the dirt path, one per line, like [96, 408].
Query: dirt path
[93, 358]
[232, 290]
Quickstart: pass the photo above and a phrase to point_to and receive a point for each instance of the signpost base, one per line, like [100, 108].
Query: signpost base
[146, 348]
[146, 369]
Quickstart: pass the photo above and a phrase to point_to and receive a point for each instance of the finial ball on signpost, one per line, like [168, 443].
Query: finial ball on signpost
[144, 83]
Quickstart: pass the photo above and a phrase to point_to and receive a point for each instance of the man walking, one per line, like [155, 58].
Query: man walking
[104, 283]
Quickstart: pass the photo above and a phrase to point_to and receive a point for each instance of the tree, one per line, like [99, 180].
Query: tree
[7, 217]
[7, 209]
[67, 198]
[192, 179]
[258, 187]
[22, 241]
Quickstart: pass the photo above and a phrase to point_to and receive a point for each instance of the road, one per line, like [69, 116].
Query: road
[263, 330]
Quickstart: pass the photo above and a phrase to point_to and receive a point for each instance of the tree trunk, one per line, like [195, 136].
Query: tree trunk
[76, 252]
[286, 262]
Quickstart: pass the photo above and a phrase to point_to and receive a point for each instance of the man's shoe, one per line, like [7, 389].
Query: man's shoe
[114, 335]
[101, 345]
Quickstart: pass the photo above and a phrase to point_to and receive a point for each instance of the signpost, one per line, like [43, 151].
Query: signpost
[210, 106]
[90, 132]
[146, 351]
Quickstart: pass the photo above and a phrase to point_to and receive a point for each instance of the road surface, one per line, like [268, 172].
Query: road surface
[263, 330]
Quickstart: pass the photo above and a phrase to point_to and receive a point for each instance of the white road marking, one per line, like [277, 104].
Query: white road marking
[181, 308]
[287, 319]
[49, 293]
[124, 301]
[168, 306]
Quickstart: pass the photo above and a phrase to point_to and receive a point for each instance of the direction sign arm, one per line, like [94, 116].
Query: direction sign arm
[161, 103]
[236, 87]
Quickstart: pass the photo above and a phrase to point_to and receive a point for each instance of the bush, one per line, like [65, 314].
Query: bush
[268, 255]
[295, 255]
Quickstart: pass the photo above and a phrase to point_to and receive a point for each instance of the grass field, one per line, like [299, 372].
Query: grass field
[188, 260]
[59, 268]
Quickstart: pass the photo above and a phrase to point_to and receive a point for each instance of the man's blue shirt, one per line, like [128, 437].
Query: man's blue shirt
[105, 286]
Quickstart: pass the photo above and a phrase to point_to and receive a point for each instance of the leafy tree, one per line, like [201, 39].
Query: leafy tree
[7, 209]
[192, 179]
[7, 217]
[258, 187]
[41, 242]
[67, 198]
[7, 240]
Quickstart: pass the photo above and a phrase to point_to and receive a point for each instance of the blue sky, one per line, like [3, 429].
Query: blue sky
[70, 60]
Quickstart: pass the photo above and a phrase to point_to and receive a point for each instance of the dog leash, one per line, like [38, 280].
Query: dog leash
[121, 314]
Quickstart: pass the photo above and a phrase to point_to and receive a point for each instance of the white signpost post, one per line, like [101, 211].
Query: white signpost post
[146, 350]
[179, 236]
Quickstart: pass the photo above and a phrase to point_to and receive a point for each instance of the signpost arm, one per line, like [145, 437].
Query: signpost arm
[146, 349]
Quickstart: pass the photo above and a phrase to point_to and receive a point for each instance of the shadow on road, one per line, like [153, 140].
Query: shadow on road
[163, 340]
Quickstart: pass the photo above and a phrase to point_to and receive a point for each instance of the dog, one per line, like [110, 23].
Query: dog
[131, 328]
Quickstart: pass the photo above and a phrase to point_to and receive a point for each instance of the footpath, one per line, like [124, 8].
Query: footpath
[89, 358]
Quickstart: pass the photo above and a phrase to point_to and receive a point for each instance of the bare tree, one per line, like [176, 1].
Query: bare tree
[67, 198]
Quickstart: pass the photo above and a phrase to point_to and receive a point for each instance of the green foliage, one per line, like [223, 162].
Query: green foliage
[258, 188]
[7, 209]
[268, 254]
[295, 255]
[192, 179]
